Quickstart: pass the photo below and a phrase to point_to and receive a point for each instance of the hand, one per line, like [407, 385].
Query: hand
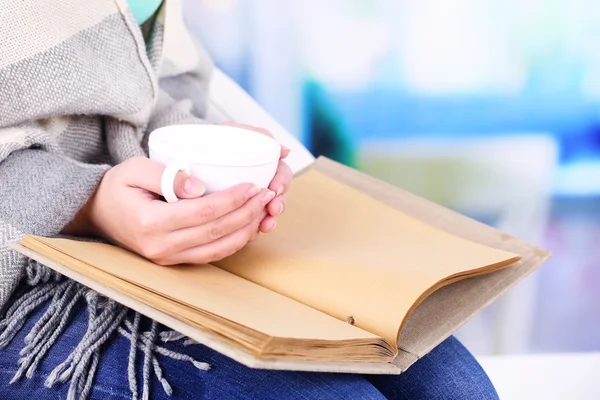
[127, 211]
[280, 183]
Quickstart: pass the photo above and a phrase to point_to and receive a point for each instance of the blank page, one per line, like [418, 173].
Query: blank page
[353, 257]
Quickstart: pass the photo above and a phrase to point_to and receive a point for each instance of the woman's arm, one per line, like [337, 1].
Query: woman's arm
[43, 191]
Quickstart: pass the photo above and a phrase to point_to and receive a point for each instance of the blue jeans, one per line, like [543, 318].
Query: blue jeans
[448, 372]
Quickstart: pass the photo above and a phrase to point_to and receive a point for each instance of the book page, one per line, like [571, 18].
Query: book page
[342, 252]
[200, 287]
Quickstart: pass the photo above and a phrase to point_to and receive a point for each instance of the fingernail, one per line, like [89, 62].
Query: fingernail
[285, 148]
[193, 187]
[273, 227]
[252, 192]
[280, 209]
[268, 197]
[280, 190]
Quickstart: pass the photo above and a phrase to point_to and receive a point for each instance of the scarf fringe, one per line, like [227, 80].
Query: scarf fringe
[105, 318]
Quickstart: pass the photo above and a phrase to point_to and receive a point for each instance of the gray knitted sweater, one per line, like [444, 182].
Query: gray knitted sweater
[80, 89]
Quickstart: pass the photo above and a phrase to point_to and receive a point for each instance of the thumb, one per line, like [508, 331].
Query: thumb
[146, 174]
[188, 187]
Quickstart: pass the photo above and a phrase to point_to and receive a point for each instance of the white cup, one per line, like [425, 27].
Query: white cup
[219, 156]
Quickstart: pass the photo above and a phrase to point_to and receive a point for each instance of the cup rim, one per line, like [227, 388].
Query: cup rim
[270, 153]
[193, 163]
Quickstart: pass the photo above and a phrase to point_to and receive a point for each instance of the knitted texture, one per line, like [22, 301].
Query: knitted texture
[80, 90]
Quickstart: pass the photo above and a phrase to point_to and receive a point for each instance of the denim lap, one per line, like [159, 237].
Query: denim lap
[448, 372]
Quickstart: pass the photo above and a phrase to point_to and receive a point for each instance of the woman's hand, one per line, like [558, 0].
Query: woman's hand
[127, 211]
[280, 183]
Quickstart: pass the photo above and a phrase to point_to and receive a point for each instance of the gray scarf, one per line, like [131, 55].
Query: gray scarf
[80, 89]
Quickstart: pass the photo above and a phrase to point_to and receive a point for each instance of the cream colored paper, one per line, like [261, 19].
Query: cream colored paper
[447, 309]
[202, 288]
[208, 338]
[344, 253]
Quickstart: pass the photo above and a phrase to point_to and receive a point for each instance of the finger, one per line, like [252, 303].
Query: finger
[285, 151]
[283, 177]
[256, 225]
[268, 224]
[146, 174]
[276, 206]
[200, 211]
[188, 187]
[217, 250]
[253, 210]
[247, 127]
[254, 236]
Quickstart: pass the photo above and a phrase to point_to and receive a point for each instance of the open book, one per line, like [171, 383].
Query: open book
[359, 276]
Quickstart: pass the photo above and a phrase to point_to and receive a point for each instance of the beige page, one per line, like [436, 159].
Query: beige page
[210, 289]
[348, 255]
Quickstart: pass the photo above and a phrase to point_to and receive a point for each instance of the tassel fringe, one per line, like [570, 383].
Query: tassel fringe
[105, 318]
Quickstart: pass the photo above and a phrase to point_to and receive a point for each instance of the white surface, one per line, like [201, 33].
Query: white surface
[219, 156]
[167, 181]
[215, 145]
[545, 376]
[228, 102]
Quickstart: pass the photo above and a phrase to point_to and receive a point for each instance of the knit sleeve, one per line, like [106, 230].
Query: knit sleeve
[183, 96]
[171, 111]
[42, 191]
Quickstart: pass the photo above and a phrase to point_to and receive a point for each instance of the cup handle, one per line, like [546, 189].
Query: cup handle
[167, 181]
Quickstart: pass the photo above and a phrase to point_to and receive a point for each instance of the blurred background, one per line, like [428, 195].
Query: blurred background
[489, 108]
